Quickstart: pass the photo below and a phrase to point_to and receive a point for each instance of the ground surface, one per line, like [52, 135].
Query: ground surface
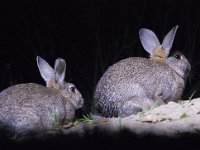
[174, 125]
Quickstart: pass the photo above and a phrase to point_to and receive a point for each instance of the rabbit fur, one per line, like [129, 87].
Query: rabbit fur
[135, 84]
[32, 107]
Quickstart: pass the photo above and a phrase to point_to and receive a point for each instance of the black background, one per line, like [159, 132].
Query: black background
[90, 35]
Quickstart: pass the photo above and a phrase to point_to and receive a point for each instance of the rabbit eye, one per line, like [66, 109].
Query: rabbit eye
[177, 56]
[72, 89]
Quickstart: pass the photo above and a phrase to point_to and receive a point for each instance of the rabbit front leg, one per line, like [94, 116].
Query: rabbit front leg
[134, 105]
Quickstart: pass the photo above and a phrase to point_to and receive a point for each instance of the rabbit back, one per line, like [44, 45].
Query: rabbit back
[31, 106]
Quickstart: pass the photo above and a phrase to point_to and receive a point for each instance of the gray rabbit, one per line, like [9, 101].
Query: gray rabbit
[32, 107]
[134, 84]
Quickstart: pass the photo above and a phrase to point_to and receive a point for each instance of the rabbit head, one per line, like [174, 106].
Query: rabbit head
[160, 52]
[179, 63]
[54, 78]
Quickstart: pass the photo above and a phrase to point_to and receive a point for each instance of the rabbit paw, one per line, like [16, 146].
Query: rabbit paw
[128, 108]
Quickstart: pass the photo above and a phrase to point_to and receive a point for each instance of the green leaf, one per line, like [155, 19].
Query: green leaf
[184, 115]
[191, 96]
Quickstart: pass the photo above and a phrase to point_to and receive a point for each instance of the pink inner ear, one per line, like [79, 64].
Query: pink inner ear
[149, 40]
[169, 39]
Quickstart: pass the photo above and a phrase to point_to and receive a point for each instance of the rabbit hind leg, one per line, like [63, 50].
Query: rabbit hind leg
[134, 105]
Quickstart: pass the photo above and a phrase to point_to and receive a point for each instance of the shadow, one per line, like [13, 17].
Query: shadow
[123, 140]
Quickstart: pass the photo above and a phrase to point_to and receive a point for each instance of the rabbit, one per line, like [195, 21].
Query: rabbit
[32, 107]
[135, 84]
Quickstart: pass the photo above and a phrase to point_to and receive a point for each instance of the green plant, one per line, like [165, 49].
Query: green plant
[86, 119]
[54, 117]
[191, 96]
[156, 104]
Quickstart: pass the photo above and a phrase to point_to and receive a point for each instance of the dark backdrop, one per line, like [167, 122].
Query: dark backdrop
[90, 35]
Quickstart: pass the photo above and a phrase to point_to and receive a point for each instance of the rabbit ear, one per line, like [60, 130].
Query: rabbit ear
[149, 40]
[60, 69]
[45, 69]
[169, 39]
